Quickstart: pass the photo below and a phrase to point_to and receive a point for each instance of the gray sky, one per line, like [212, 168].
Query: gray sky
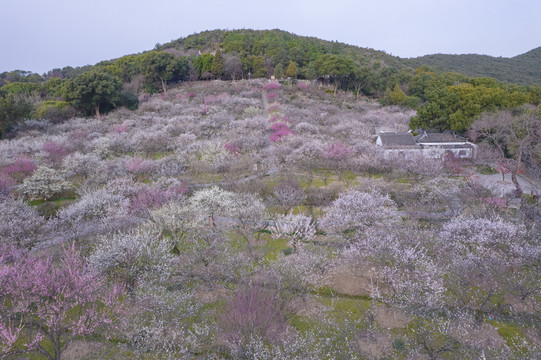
[39, 35]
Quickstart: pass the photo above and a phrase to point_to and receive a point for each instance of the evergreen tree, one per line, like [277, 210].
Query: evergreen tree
[279, 71]
[292, 70]
[397, 96]
[259, 69]
[217, 68]
[93, 91]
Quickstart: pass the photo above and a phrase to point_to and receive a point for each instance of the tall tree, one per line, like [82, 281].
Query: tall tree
[292, 70]
[203, 64]
[259, 69]
[279, 71]
[218, 64]
[93, 91]
[163, 67]
[336, 68]
[12, 111]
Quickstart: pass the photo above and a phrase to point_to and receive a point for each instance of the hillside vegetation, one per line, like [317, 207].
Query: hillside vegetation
[524, 69]
[445, 100]
[257, 220]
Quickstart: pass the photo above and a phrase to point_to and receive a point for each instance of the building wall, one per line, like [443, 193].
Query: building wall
[430, 152]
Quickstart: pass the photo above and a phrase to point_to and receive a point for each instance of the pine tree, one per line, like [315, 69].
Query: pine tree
[279, 71]
[218, 65]
[292, 70]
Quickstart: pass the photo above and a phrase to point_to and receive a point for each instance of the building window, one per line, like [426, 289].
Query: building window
[462, 153]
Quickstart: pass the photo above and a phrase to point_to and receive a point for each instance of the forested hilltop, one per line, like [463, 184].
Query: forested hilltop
[444, 100]
[524, 69]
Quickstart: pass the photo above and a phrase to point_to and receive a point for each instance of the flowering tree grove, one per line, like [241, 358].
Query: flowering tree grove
[42, 302]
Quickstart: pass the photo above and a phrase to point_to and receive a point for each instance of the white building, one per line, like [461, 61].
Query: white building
[429, 145]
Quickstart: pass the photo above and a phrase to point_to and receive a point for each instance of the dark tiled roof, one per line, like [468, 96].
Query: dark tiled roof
[394, 139]
[439, 138]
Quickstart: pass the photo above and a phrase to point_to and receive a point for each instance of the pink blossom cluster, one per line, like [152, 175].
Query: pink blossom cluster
[209, 100]
[20, 169]
[204, 110]
[302, 86]
[148, 198]
[271, 86]
[271, 96]
[496, 201]
[138, 166]
[56, 152]
[280, 131]
[232, 148]
[337, 151]
[122, 128]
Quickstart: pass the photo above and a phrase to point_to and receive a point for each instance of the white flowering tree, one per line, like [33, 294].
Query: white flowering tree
[20, 224]
[249, 216]
[355, 211]
[133, 255]
[485, 260]
[45, 183]
[210, 202]
[297, 228]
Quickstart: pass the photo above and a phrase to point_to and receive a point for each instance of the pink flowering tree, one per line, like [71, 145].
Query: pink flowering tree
[254, 311]
[45, 304]
[338, 156]
[280, 131]
[20, 169]
[55, 152]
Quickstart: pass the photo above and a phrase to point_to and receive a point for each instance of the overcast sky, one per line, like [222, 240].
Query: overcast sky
[39, 35]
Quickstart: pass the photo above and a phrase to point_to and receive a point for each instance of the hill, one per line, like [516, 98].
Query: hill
[278, 45]
[523, 69]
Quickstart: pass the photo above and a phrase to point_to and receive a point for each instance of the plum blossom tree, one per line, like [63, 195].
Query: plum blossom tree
[338, 156]
[516, 138]
[208, 203]
[41, 301]
[295, 227]
[45, 183]
[404, 271]
[355, 210]
[485, 259]
[249, 216]
[254, 311]
[20, 224]
[288, 194]
[133, 255]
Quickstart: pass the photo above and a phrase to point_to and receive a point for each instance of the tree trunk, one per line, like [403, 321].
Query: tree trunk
[164, 86]
[518, 189]
[97, 108]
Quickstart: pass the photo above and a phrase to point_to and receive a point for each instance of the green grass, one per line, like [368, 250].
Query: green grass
[485, 170]
[512, 335]
[300, 323]
[274, 247]
[328, 292]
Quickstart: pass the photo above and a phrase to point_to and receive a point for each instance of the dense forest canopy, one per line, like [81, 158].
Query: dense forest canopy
[522, 69]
